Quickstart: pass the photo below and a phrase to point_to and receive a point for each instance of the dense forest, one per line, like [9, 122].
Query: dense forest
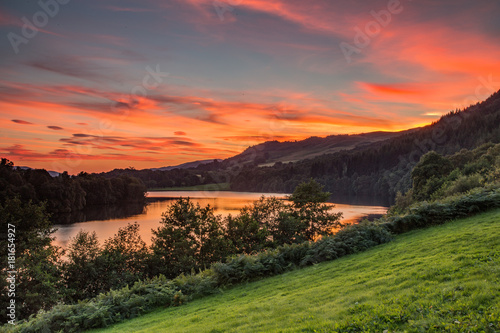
[65, 193]
[380, 169]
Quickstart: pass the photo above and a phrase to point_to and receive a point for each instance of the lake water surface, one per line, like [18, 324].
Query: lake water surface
[224, 202]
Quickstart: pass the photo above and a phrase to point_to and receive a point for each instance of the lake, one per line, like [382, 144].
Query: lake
[106, 221]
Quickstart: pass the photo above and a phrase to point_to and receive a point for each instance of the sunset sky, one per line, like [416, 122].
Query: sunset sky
[97, 85]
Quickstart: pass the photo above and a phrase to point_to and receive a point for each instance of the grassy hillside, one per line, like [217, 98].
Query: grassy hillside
[270, 152]
[445, 278]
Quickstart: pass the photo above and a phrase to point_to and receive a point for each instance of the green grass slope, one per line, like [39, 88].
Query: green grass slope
[441, 279]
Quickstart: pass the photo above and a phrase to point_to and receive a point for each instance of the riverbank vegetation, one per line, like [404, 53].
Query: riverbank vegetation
[453, 252]
[190, 238]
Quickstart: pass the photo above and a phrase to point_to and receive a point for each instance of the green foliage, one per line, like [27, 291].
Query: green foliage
[127, 255]
[275, 221]
[85, 267]
[459, 185]
[190, 237]
[107, 308]
[91, 269]
[425, 214]
[402, 202]
[37, 262]
[428, 174]
[310, 209]
[351, 239]
[65, 194]
[308, 193]
[472, 169]
[270, 222]
[246, 234]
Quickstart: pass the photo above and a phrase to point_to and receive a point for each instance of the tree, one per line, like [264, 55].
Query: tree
[190, 237]
[37, 262]
[125, 255]
[428, 175]
[92, 269]
[84, 271]
[308, 193]
[316, 217]
[276, 220]
[246, 234]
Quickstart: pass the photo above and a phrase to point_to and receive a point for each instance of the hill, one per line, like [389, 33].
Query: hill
[444, 278]
[187, 165]
[271, 152]
[380, 169]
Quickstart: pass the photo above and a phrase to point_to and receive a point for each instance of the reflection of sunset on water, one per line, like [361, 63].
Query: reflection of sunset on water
[224, 203]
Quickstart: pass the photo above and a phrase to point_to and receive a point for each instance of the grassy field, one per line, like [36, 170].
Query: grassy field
[206, 187]
[441, 279]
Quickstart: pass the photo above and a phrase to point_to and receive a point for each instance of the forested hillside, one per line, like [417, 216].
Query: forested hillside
[383, 168]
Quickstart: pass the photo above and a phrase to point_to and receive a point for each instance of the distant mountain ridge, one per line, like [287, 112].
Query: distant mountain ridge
[270, 152]
[187, 165]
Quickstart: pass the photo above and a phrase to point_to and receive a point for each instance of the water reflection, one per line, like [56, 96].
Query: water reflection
[100, 213]
[106, 221]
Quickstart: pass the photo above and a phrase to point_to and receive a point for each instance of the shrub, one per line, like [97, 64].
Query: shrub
[349, 240]
[460, 185]
[108, 308]
[425, 214]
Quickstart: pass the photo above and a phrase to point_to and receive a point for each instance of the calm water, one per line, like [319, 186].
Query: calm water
[105, 225]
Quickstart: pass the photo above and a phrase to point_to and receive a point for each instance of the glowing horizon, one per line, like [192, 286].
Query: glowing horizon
[100, 85]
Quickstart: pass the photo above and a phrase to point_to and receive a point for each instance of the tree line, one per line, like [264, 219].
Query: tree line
[65, 193]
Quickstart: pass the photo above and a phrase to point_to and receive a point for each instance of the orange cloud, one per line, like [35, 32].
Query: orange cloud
[390, 89]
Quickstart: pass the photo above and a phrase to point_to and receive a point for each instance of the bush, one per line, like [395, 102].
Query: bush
[117, 305]
[425, 214]
[460, 185]
[351, 239]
